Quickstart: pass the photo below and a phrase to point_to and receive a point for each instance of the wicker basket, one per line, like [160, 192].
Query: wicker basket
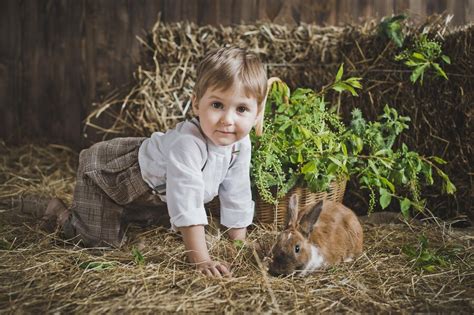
[276, 214]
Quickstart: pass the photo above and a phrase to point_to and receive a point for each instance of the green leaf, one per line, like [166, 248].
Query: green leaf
[419, 56]
[96, 265]
[418, 73]
[319, 144]
[429, 268]
[335, 161]
[449, 187]
[332, 168]
[385, 198]
[427, 172]
[342, 86]
[373, 167]
[381, 152]
[412, 63]
[446, 59]
[137, 256]
[439, 70]
[309, 167]
[404, 207]
[354, 82]
[338, 87]
[359, 144]
[344, 149]
[239, 244]
[306, 133]
[300, 157]
[340, 72]
[387, 183]
[438, 160]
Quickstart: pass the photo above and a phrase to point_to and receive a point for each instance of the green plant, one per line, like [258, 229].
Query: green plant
[301, 140]
[239, 244]
[138, 257]
[391, 28]
[427, 258]
[425, 54]
[96, 265]
[306, 144]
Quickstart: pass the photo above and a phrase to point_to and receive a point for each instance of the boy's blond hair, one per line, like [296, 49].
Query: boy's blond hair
[221, 67]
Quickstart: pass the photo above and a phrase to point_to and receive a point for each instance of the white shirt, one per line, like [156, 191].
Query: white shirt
[188, 170]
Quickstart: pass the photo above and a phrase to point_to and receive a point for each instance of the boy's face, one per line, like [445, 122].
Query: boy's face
[226, 116]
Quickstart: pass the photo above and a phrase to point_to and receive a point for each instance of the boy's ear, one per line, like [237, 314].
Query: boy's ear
[195, 104]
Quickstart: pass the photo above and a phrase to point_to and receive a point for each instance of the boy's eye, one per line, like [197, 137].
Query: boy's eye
[242, 109]
[217, 105]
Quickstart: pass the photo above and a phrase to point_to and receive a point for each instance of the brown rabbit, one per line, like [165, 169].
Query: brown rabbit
[322, 235]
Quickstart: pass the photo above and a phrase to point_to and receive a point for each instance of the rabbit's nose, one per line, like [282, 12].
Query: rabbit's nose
[274, 273]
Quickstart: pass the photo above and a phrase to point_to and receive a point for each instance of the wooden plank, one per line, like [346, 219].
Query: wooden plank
[417, 10]
[111, 58]
[319, 12]
[10, 63]
[269, 9]
[401, 6]
[344, 10]
[207, 12]
[142, 18]
[246, 11]
[51, 76]
[227, 11]
[436, 6]
[458, 9]
[365, 10]
[285, 15]
[171, 11]
[470, 12]
[189, 11]
[383, 8]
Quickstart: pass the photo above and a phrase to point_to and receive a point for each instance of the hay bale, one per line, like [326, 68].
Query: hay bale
[308, 55]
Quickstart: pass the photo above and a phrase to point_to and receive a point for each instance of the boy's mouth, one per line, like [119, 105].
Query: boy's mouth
[225, 132]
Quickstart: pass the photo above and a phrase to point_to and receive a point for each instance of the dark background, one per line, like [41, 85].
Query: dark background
[57, 57]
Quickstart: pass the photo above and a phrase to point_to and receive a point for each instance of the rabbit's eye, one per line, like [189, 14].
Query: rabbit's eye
[297, 248]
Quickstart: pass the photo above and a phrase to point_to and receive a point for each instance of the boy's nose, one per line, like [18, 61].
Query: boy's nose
[227, 118]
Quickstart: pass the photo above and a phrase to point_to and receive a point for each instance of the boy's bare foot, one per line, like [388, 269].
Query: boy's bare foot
[55, 215]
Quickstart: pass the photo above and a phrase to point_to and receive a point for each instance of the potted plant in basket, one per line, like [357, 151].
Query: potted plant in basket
[305, 145]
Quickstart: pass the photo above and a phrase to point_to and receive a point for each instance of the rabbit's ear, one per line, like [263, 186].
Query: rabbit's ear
[292, 214]
[309, 218]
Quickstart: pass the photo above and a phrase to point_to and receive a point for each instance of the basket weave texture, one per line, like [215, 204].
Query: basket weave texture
[276, 214]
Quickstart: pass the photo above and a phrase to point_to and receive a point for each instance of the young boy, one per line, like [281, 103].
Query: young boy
[179, 170]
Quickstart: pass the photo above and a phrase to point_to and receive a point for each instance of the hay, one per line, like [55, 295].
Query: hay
[42, 171]
[309, 55]
[41, 273]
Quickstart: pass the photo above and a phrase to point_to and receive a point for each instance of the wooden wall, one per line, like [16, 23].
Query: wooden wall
[57, 57]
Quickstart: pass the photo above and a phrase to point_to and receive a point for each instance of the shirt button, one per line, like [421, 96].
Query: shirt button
[153, 192]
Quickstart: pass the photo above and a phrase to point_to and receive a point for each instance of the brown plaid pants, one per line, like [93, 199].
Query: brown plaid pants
[108, 186]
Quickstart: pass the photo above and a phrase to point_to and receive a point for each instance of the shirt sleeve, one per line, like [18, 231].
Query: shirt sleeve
[235, 195]
[184, 183]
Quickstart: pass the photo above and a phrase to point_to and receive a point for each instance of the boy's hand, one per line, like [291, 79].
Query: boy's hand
[195, 243]
[213, 269]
